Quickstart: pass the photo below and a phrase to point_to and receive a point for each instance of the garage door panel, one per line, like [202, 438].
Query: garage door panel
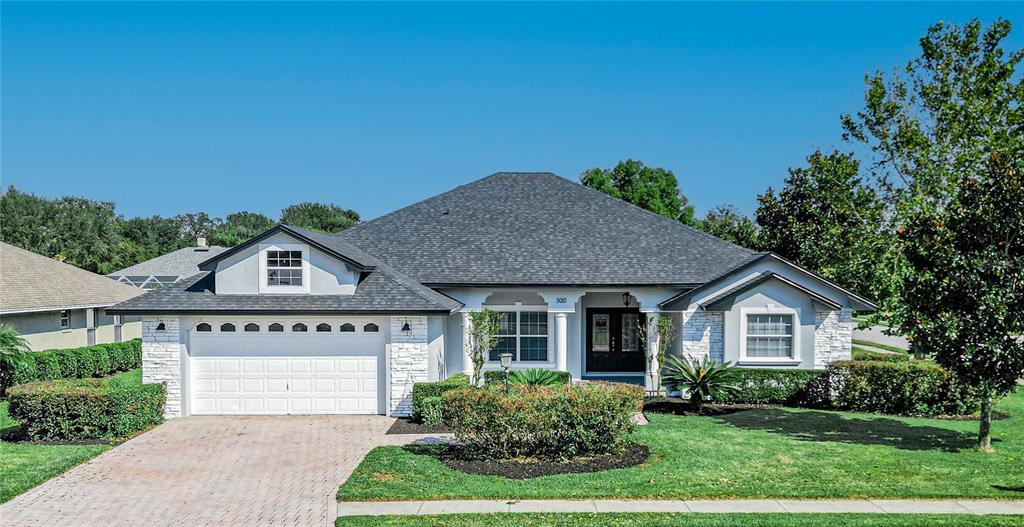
[285, 374]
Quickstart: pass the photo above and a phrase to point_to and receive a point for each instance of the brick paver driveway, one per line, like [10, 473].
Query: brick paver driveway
[250, 471]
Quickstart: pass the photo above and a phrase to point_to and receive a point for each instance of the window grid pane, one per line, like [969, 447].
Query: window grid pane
[503, 345]
[533, 348]
[506, 323]
[769, 336]
[533, 323]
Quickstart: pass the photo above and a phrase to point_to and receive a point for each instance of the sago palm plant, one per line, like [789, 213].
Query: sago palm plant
[11, 343]
[700, 378]
[535, 377]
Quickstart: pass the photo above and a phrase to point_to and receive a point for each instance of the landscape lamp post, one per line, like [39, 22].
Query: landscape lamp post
[506, 362]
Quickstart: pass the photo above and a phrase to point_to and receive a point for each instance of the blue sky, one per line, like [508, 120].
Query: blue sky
[173, 108]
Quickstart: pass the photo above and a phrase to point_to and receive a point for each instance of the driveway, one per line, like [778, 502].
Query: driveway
[192, 471]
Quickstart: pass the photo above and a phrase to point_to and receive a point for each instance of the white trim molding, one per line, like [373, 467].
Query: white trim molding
[792, 360]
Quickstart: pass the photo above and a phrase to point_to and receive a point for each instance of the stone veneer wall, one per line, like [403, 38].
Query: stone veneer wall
[833, 336]
[407, 362]
[702, 335]
[161, 359]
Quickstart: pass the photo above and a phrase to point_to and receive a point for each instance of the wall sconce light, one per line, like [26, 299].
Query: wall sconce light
[625, 299]
[405, 326]
[161, 327]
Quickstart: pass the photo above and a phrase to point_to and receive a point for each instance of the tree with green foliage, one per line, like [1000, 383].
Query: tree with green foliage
[828, 220]
[12, 343]
[947, 137]
[728, 223]
[323, 217]
[238, 227]
[197, 225]
[146, 238]
[483, 325]
[654, 189]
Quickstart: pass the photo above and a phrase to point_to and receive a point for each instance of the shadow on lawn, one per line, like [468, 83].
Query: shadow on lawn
[826, 426]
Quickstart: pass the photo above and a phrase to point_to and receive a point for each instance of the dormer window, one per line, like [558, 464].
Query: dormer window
[284, 268]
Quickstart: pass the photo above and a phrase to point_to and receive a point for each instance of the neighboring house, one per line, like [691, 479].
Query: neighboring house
[169, 268]
[56, 305]
[297, 322]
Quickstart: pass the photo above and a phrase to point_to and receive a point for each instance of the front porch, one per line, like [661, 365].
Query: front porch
[596, 334]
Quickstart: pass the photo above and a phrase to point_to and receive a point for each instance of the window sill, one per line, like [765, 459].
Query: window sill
[769, 362]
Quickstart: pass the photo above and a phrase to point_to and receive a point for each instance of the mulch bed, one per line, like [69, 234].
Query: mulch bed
[632, 455]
[408, 426]
[677, 406]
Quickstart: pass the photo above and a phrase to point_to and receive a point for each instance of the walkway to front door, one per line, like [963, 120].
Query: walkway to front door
[193, 471]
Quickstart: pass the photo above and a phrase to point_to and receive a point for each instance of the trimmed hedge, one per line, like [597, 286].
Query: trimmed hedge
[424, 390]
[549, 422]
[903, 388]
[430, 411]
[771, 386]
[76, 409]
[863, 355]
[498, 376]
[73, 363]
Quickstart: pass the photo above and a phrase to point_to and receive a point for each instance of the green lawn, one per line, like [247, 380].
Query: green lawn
[23, 466]
[772, 452]
[682, 520]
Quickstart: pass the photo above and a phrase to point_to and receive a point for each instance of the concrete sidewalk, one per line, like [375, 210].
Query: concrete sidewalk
[359, 508]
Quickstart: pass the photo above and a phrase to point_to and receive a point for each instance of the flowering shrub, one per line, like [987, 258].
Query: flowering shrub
[553, 422]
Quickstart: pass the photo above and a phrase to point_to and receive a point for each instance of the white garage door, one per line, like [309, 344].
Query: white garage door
[289, 372]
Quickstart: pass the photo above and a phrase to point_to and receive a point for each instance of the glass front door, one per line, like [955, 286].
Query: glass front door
[613, 341]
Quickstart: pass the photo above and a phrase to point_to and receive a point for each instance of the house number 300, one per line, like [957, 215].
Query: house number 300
[560, 300]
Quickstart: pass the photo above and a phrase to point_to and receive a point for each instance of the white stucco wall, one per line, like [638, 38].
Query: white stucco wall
[241, 274]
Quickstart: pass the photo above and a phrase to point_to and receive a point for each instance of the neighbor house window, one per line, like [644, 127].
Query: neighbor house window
[284, 267]
[524, 334]
[275, 327]
[204, 327]
[227, 327]
[65, 318]
[769, 336]
[370, 328]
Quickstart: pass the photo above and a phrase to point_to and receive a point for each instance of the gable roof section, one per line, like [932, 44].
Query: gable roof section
[380, 292]
[541, 229]
[32, 282]
[181, 263]
[328, 243]
[719, 300]
[684, 299]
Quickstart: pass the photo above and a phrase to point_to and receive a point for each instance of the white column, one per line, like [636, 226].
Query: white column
[561, 341]
[467, 358]
[651, 381]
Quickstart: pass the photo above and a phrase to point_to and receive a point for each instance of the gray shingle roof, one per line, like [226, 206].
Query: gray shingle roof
[541, 229]
[32, 282]
[181, 263]
[382, 291]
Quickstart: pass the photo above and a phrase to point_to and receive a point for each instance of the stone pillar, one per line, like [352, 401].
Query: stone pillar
[833, 337]
[161, 359]
[561, 341]
[651, 380]
[467, 344]
[90, 326]
[407, 362]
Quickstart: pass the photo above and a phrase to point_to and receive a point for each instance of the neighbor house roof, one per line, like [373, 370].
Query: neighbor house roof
[31, 282]
[183, 263]
[541, 229]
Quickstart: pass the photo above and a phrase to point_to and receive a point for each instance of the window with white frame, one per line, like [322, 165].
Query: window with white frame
[65, 318]
[524, 334]
[284, 268]
[769, 336]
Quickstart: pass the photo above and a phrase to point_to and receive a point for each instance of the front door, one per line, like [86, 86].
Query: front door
[614, 344]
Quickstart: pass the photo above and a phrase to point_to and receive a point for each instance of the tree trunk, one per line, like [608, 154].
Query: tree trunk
[985, 428]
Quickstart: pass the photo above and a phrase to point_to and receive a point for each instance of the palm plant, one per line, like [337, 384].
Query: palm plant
[11, 343]
[700, 378]
[535, 377]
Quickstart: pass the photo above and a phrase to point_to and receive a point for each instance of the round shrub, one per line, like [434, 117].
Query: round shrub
[862, 355]
[771, 386]
[425, 390]
[552, 422]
